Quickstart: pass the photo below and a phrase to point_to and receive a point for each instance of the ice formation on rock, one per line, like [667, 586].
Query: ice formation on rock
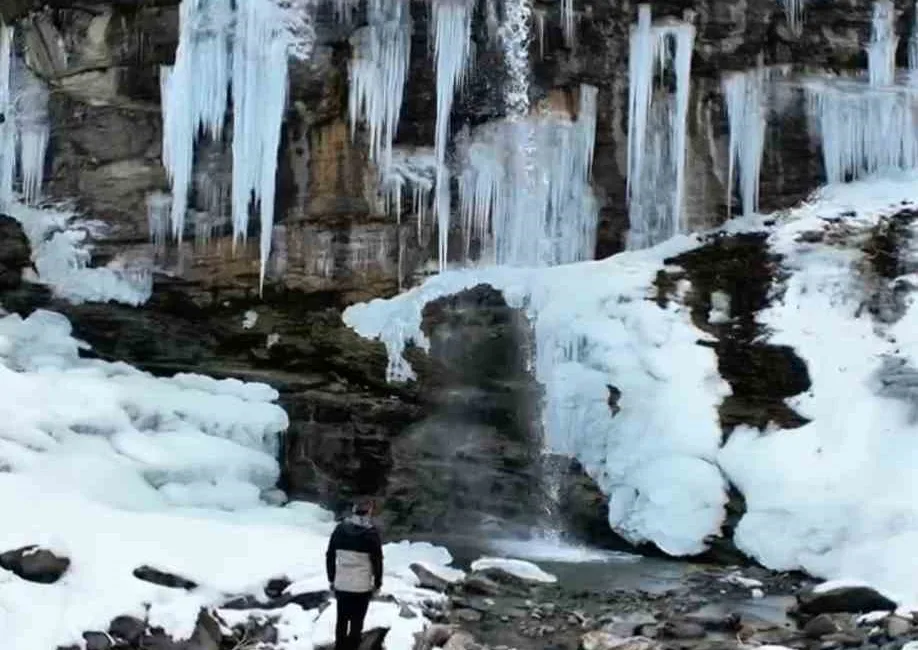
[881, 51]
[25, 129]
[745, 96]
[863, 130]
[452, 36]
[7, 127]
[243, 46]
[657, 123]
[381, 52]
[524, 189]
[794, 11]
[411, 172]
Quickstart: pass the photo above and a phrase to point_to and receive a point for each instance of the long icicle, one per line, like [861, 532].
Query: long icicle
[452, 20]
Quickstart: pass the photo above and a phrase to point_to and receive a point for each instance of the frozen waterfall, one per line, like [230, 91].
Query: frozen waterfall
[25, 129]
[657, 128]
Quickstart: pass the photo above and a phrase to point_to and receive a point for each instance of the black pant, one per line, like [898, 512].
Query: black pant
[352, 609]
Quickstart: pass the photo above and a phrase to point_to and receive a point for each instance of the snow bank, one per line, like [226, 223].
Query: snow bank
[115, 469]
[835, 497]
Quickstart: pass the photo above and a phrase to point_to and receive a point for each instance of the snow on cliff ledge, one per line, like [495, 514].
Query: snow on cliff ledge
[838, 497]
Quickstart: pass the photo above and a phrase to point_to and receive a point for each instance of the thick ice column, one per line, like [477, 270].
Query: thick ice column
[452, 25]
[259, 97]
[567, 20]
[194, 93]
[913, 50]
[657, 128]
[881, 52]
[745, 97]
[30, 108]
[378, 71]
[794, 11]
[7, 127]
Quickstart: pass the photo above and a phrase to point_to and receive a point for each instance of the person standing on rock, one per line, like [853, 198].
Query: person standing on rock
[354, 566]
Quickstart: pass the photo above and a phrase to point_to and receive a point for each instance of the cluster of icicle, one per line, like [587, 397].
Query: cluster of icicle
[24, 129]
[524, 188]
[657, 127]
[239, 48]
[866, 124]
[523, 181]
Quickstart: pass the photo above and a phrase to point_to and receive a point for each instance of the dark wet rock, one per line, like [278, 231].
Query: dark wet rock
[15, 253]
[35, 564]
[434, 636]
[207, 634]
[856, 600]
[97, 641]
[682, 630]
[465, 615]
[159, 640]
[628, 624]
[127, 628]
[306, 599]
[584, 508]
[741, 269]
[276, 586]
[820, 626]
[845, 639]
[477, 583]
[461, 641]
[163, 578]
[886, 258]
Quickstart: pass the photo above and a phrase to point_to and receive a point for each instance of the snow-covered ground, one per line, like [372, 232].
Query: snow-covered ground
[115, 469]
[836, 497]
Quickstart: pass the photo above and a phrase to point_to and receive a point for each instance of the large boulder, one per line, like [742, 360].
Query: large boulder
[35, 564]
[853, 599]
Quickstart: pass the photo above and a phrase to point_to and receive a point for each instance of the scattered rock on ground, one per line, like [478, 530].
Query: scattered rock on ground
[438, 581]
[35, 564]
[857, 600]
[682, 630]
[479, 584]
[97, 640]
[127, 628]
[163, 578]
[460, 641]
[820, 626]
[434, 636]
[599, 640]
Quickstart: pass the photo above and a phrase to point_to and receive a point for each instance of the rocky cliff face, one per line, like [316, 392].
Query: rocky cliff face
[335, 244]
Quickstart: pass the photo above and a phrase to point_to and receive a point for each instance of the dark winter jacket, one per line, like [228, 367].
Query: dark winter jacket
[353, 560]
